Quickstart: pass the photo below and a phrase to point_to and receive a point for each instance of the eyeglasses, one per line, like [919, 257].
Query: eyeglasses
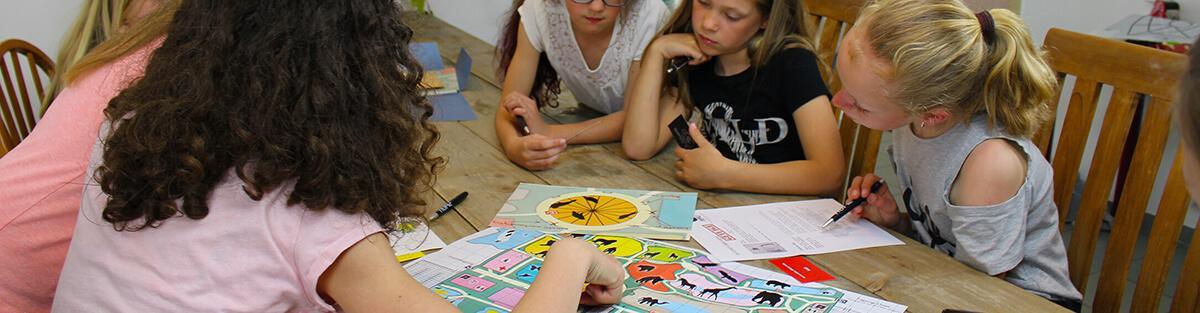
[611, 3]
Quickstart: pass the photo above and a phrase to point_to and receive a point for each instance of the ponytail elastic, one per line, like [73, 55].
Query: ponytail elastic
[988, 25]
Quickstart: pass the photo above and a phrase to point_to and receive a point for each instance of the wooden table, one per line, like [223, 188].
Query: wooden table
[911, 274]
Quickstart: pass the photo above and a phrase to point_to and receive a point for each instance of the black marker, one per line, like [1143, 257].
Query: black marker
[449, 206]
[853, 204]
[522, 127]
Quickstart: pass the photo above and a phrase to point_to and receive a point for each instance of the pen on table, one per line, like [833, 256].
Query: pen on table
[522, 127]
[853, 204]
[449, 206]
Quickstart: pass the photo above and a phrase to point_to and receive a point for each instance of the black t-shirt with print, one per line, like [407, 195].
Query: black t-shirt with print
[748, 116]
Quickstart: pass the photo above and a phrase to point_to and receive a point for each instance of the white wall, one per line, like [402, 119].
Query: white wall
[41, 22]
[480, 18]
[1090, 16]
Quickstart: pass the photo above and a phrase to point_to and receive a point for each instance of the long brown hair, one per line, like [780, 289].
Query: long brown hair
[941, 59]
[319, 96]
[546, 84]
[786, 28]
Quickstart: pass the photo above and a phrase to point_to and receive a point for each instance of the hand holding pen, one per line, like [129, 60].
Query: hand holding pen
[877, 204]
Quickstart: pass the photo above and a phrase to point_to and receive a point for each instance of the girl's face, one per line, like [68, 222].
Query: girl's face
[864, 90]
[593, 17]
[725, 26]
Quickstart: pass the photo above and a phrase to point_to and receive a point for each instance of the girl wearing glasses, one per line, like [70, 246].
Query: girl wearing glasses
[757, 85]
[591, 46]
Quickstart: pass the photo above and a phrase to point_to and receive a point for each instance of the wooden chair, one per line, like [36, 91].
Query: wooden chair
[18, 109]
[1135, 73]
[828, 20]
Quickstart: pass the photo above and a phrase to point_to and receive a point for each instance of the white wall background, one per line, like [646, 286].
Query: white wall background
[1090, 16]
[41, 22]
[481, 18]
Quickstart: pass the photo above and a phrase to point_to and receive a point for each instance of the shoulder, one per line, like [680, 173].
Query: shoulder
[992, 173]
[794, 55]
[795, 62]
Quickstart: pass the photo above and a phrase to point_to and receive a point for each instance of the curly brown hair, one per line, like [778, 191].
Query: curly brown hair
[322, 94]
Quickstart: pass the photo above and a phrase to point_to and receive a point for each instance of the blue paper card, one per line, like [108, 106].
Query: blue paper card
[451, 107]
[462, 67]
[427, 54]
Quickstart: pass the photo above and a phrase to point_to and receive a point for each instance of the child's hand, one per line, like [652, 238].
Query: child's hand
[605, 278]
[880, 207]
[679, 45]
[702, 167]
[535, 152]
[517, 104]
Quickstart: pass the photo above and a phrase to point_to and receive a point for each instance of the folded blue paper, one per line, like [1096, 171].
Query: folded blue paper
[447, 107]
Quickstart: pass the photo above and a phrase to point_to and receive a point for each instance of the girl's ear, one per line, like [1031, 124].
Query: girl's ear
[935, 116]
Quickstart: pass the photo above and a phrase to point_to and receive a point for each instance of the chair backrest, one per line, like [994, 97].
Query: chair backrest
[829, 20]
[1134, 73]
[18, 108]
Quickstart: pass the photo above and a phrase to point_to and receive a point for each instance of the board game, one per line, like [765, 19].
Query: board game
[599, 211]
[490, 271]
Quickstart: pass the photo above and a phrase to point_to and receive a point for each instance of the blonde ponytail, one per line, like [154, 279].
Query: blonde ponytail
[97, 20]
[95, 39]
[942, 58]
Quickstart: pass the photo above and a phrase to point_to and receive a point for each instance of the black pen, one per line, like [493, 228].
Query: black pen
[853, 204]
[449, 206]
[522, 127]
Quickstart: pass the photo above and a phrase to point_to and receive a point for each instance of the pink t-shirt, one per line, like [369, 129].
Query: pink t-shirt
[41, 182]
[245, 256]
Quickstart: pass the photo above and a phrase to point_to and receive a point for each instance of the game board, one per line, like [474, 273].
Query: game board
[490, 271]
[599, 211]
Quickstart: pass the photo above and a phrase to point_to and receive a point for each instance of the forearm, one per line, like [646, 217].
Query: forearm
[640, 139]
[505, 132]
[804, 177]
[602, 129]
[559, 283]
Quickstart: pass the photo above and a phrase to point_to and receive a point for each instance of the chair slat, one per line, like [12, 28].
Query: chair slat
[1164, 234]
[1069, 154]
[1045, 135]
[868, 144]
[1103, 169]
[827, 52]
[1131, 209]
[37, 80]
[1187, 292]
[10, 105]
[24, 122]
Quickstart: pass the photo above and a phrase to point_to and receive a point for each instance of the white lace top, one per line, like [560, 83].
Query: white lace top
[548, 26]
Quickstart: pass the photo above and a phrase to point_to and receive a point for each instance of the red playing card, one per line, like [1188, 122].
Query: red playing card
[801, 269]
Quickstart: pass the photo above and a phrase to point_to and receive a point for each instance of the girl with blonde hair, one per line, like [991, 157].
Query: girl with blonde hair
[962, 93]
[756, 82]
[43, 176]
[98, 21]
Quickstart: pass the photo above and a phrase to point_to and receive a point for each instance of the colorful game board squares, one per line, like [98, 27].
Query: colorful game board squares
[507, 297]
[472, 282]
[506, 261]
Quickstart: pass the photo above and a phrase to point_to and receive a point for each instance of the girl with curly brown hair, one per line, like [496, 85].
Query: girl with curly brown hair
[257, 163]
